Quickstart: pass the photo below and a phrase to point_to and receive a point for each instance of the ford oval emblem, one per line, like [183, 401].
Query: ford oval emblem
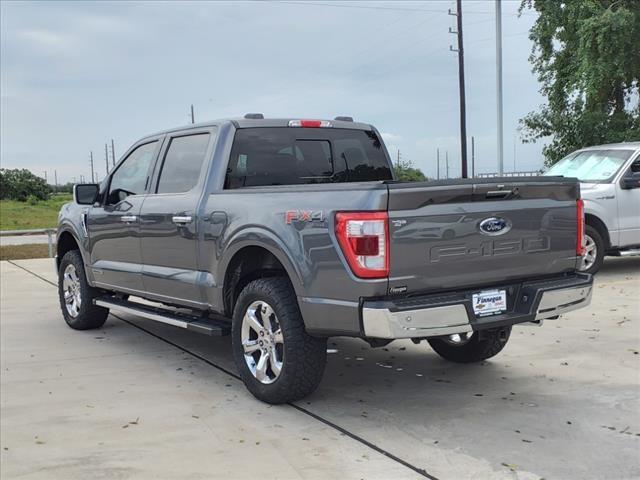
[494, 226]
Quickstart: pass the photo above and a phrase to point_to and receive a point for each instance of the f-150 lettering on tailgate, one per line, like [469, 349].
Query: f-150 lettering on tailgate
[488, 248]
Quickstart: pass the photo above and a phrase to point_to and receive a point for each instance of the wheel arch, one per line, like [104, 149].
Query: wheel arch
[249, 261]
[599, 225]
[66, 242]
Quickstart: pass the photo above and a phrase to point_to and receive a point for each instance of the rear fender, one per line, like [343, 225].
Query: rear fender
[260, 237]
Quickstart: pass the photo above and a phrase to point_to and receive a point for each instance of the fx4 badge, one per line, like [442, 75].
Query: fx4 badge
[291, 216]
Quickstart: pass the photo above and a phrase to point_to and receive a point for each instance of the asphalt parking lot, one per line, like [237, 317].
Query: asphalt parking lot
[142, 400]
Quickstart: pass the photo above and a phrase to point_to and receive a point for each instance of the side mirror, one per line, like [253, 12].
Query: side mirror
[86, 193]
[630, 181]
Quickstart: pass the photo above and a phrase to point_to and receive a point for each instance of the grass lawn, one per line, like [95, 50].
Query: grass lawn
[22, 252]
[23, 216]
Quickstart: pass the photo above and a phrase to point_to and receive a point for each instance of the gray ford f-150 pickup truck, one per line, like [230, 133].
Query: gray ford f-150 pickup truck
[285, 232]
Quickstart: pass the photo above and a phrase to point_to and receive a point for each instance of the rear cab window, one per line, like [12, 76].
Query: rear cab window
[265, 156]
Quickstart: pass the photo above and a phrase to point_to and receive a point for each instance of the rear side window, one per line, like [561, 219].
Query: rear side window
[295, 156]
[183, 163]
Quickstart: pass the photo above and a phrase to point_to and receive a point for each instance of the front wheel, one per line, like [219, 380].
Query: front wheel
[472, 346]
[76, 295]
[593, 256]
[277, 360]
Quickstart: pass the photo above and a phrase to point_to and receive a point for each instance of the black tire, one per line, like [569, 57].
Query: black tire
[303, 358]
[592, 232]
[89, 316]
[480, 346]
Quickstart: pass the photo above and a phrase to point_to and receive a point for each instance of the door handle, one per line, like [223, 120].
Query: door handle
[182, 219]
[128, 218]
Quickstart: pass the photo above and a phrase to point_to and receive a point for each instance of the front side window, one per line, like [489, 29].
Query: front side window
[132, 175]
[295, 156]
[183, 163]
[591, 166]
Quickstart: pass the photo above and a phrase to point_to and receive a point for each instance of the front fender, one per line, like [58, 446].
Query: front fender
[603, 212]
[70, 222]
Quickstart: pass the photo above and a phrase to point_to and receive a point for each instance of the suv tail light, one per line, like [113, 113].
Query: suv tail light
[364, 239]
[580, 227]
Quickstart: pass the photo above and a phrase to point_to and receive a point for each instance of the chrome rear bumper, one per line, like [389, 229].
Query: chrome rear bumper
[440, 315]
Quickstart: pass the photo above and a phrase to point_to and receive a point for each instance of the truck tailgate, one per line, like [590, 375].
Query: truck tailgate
[475, 232]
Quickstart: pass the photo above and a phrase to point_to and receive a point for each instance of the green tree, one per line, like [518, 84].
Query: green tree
[586, 54]
[407, 172]
[20, 184]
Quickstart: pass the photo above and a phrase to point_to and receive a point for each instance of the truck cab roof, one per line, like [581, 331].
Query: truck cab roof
[241, 122]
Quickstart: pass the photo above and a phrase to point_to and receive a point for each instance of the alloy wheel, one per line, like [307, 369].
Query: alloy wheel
[262, 342]
[590, 253]
[72, 290]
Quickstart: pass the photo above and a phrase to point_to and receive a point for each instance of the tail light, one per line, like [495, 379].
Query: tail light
[364, 239]
[580, 227]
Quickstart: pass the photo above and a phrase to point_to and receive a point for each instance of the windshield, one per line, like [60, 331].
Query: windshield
[591, 166]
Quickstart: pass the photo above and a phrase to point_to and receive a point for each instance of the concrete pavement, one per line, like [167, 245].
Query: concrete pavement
[561, 401]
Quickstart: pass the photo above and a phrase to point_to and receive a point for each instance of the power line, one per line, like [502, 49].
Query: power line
[364, 7]
[397, 9]
[414, 59]
[386, 42]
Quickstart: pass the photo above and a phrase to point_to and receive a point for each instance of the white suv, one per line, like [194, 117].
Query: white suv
[610, 186]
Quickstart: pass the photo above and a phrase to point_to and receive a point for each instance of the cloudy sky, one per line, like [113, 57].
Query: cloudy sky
[74, 75]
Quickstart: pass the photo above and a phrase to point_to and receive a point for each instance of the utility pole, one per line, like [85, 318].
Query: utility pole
[463, 113]
[55, 176]
[446, 156]
[192, 117]
[514, 152]
[113, 154]
[106, 158]
[45, 177]
[438, 161]
[473, 157]
[398, 160]
[91, 157]
[499, 84]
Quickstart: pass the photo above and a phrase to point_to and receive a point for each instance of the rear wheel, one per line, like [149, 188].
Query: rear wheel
[472, 346]
[593, 251]
[277, 360]
[76, 295]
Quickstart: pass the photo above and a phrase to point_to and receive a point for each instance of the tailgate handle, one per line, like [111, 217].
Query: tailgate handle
[499, 193]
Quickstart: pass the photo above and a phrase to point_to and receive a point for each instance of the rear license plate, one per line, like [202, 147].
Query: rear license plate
[490, 302]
